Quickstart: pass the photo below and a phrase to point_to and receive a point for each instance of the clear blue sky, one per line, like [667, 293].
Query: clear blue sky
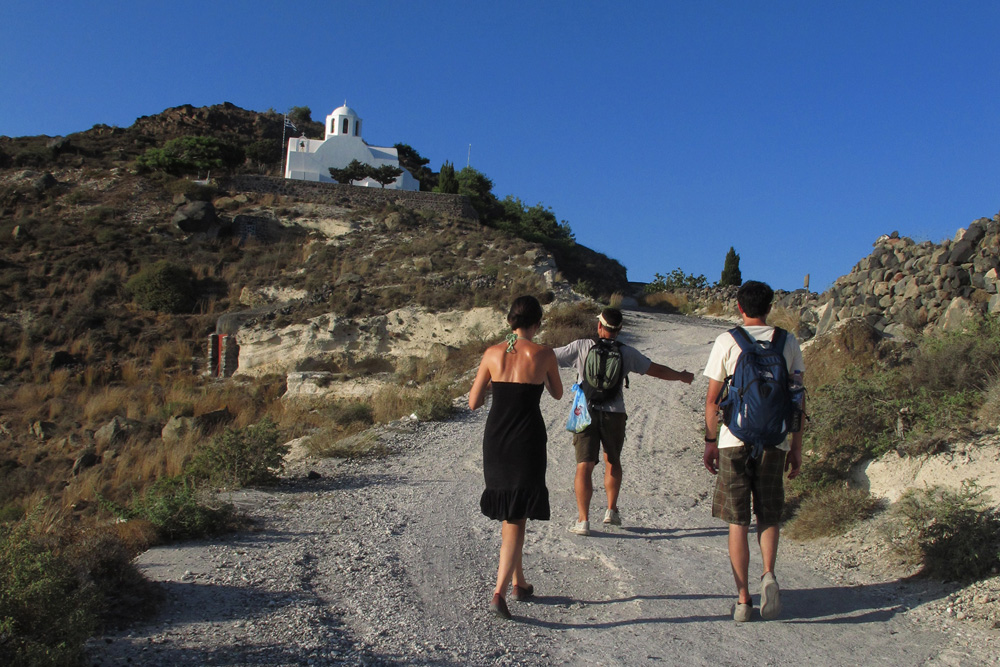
[663, 132]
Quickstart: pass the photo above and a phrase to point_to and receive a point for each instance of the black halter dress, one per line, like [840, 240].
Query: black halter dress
[514, 456]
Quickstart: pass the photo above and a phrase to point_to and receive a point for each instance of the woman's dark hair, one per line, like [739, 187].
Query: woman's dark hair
[524, 312]
[755, 298]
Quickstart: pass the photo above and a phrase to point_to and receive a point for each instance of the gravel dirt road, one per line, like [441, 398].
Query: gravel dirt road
[389, 561]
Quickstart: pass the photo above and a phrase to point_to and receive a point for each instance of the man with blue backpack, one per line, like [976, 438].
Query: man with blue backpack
[755, 381]
[602, 367]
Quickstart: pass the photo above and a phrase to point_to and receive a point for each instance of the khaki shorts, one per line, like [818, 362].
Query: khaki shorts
[735, 485]
[608, 429]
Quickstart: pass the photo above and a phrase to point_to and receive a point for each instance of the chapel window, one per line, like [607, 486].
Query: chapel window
[346, 123]
[357, 128]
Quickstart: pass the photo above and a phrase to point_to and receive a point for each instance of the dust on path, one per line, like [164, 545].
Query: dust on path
[390, 562]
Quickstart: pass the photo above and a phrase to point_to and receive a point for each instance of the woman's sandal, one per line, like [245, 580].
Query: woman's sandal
[498, 606]
[522, 593]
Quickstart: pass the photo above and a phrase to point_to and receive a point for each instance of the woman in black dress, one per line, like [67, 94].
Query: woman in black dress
[514, 442]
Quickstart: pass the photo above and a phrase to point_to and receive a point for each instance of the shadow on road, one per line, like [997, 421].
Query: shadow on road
[640, 533]
[876, 603]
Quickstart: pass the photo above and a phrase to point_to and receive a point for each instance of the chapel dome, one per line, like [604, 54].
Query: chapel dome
[344, 111]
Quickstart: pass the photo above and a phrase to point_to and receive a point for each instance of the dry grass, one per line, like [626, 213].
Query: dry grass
[170, 358]
[856, 346]
[566, 323]
[334, 443]
[393, 402]
[831, 512]
[670, 302]
[989, 411]
[784, 318]
[717, 308]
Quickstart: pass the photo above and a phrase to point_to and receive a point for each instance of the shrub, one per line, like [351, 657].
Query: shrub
[676, 279]
[954, 535]
[242, 457]
[989, 411]
[330, 444]
[831, 512]
[165, 286]
[46, 613]
[171, 505]
[849, 420]
[185, 155]
[434, 402]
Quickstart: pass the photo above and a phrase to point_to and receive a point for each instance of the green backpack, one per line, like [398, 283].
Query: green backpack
[603, 372]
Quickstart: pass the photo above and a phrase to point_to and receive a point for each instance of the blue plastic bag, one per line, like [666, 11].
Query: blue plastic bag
[579, 415]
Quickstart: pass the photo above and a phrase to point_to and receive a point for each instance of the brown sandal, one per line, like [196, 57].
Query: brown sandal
[499, 607]
[522, 593]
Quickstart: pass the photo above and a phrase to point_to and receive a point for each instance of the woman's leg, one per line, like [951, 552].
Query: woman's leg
[511, 543]
[519, 579]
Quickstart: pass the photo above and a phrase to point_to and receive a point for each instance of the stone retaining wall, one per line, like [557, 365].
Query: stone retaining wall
[351, 196]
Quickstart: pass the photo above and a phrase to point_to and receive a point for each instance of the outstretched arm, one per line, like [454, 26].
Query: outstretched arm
[667, 373]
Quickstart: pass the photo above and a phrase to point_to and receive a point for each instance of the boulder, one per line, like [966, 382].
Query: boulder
[957, 315]
[87, 459]
[196, 217]
[44, 182]
[61, 359]
[116, 430]
[961, 252]
[177, 427]
[42, 429]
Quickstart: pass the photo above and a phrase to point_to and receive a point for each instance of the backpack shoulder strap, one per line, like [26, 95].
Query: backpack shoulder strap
[778, 339]
[742, 338]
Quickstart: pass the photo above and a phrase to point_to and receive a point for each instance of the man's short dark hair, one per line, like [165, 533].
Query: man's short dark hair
[612, 319]
[524, 312]
[755, 298]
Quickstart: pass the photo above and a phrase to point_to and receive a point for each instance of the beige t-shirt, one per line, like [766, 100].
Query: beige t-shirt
[722, 363]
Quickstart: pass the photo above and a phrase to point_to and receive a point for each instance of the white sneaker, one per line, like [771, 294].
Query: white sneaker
[580, 528]
[612, 518]
[770, 597]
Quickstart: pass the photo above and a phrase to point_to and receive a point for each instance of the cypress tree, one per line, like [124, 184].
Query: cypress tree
[447, 182]
[731, 270]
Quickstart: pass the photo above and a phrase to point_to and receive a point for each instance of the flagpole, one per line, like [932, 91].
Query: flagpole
[284, 145]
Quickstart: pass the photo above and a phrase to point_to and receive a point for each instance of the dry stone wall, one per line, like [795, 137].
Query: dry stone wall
[903, 285]
[351, 195]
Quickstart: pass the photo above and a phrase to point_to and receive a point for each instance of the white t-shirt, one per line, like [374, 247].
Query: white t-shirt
[722, 363]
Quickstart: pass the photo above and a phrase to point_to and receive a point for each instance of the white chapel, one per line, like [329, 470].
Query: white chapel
[311, 159]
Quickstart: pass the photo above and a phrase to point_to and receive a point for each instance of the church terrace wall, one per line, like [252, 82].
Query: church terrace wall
[351, 195]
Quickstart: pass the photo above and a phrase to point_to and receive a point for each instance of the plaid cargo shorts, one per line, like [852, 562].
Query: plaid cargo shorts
[737, 483]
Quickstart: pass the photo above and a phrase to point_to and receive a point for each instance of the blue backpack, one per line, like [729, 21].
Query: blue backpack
[756, 403]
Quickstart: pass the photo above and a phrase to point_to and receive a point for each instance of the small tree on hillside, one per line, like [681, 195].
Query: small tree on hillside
[478, 188]
[416, 164]
[385, 174]
[731, 270]
[186, 155]
[300, 116]
[447, 183]
[356, 171]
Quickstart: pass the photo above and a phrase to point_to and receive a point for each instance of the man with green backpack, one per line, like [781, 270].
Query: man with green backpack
[602, 367]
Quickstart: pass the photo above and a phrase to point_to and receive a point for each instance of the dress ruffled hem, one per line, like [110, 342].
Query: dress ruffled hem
[515, 504]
